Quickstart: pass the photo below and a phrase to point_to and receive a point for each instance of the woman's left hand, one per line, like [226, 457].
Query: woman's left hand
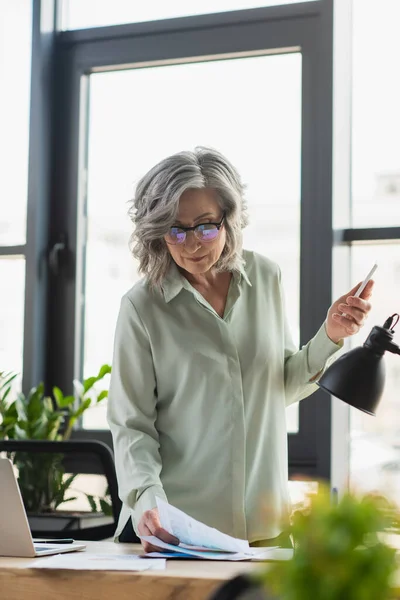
[346, 316]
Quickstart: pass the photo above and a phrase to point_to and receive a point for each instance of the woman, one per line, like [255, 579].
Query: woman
[204, 366]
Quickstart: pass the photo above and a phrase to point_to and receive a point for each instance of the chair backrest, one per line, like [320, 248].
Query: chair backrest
[38, 460]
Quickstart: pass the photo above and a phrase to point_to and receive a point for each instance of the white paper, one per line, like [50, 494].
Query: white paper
[99, 562]
[205, 555]
[192, 532]
[274, 553]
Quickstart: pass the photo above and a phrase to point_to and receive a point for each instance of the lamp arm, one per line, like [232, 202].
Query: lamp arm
[388, 327]
[393, 348]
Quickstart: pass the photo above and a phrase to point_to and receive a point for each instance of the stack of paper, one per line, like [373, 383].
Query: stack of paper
[200, 541]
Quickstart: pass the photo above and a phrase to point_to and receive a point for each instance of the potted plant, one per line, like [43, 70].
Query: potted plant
[42, 479]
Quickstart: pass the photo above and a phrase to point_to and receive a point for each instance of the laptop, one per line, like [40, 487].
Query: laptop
[15, 534]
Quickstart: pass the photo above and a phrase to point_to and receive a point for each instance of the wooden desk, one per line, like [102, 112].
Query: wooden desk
[181, 580]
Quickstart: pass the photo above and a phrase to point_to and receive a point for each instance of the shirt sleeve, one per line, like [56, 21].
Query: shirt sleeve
[304, 367]
[132, 412]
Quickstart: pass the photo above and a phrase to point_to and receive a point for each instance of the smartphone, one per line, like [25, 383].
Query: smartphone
[364, 283]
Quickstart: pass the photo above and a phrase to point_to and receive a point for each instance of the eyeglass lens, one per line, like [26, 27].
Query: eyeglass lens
[205, 233]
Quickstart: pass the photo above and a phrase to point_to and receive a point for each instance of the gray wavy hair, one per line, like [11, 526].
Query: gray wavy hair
[155, 206]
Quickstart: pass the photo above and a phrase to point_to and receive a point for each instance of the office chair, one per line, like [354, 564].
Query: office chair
[77, 457]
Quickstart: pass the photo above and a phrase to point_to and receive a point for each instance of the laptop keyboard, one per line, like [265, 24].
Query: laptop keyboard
[42, 548]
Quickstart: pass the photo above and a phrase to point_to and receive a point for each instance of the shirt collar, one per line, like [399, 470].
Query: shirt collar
[174, 282]
[244, 274]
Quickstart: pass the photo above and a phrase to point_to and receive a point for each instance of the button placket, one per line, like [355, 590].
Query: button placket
[238, 442]
[238, 435]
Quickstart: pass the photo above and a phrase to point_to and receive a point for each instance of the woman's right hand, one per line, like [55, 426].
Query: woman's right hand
[149, 524]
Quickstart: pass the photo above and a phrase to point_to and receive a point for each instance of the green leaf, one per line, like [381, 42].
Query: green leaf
[48, 404]
[67, 401]
[35, 405]
[81, 409]
[7, 428]
[20, 431]
[104, 370]
[36, 391]
[88, 383]
[4, 396]
[11, 412]
[8, 378]
[64, 500]
[7, 421]
[58, 396]
[61, 485]
[68, 481]
[21, 404]
[106, 507]
[102, 395]
[92, 502]
[39, 431]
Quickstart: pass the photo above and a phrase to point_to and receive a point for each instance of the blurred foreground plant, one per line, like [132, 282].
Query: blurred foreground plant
[338, 553]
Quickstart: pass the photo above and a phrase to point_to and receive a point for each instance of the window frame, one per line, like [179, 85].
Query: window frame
[37, 249]
[57, 186]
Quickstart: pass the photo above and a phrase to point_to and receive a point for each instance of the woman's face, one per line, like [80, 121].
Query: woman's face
[197, 207]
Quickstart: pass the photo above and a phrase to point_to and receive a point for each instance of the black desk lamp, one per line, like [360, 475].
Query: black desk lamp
[358, 377]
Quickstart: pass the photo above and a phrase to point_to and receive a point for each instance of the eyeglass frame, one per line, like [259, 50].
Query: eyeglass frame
[218, 225]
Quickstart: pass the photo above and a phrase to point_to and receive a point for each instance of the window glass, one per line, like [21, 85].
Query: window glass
[12, 299]
[80, 14]
[375, 447]
[256, 124]
[376, 115]
[15, 77]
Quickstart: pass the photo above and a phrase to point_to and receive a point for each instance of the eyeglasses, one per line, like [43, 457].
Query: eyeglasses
[204, 232]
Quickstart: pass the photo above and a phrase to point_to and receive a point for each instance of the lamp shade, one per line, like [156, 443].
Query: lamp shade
[358, 377]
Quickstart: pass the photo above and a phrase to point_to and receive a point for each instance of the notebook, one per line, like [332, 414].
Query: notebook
[15, 534]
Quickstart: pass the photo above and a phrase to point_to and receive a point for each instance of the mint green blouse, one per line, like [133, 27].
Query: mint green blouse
[197, 402]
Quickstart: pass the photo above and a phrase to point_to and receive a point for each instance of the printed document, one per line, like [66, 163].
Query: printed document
[197, 540]
[193, 533]
[185, 551]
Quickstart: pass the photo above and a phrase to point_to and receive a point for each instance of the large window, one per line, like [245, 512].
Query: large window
[108, 102]
[15, 62]
[256, 86]
[79, 14]
[257, 124]
[376, 115]
[12, 277]
[375, 441]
